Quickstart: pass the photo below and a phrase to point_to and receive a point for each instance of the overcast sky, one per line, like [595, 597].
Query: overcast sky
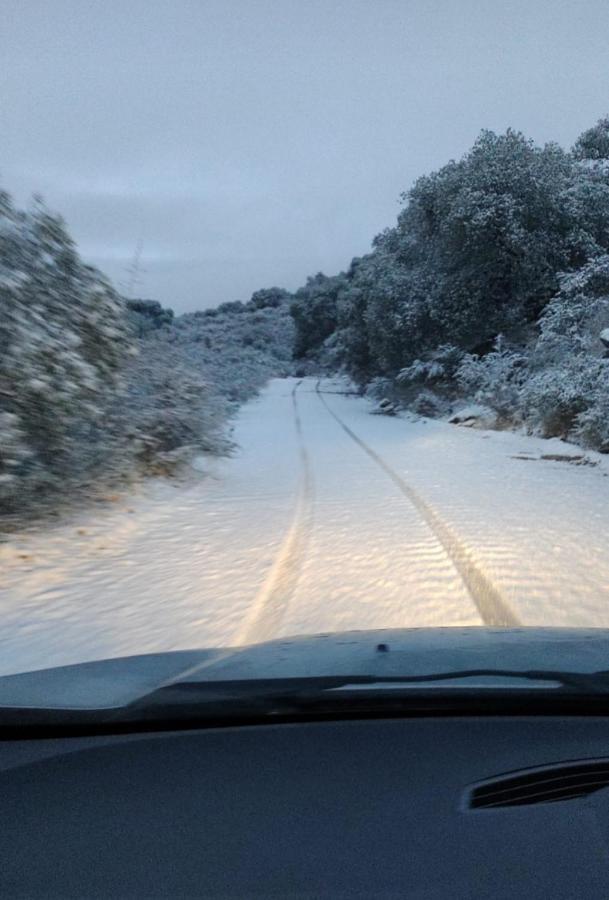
[248, 143]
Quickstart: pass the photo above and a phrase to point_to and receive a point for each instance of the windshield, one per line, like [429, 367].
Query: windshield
[304, 330]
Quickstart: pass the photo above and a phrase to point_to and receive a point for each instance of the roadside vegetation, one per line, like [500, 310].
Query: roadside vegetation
[491, 289]
[490, 293]
[96, 389]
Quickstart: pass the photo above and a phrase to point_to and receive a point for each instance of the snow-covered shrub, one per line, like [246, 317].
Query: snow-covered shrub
[494, 380]
[377, 388]
[438, 367]
[188, 376]
[231, 306]
[14, 453]
[565, 393]
[477, 250]
[575, 317]
[426, 403]
[553, 398]
[166, 411]
[421, 370]
[63, 338]
[592, 425]
[236, 352]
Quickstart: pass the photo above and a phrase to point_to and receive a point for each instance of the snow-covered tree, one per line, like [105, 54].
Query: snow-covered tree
[478, 250]
[495, 380]
[513, 240]
[593, 144]
[269, 297]
[569, 372]
[492, 232]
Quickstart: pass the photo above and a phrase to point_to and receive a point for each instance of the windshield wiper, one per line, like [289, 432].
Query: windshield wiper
[200, 704]
[586, 682]
[592, 682]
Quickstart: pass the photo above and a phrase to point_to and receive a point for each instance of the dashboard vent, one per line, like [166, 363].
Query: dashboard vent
[550, 784]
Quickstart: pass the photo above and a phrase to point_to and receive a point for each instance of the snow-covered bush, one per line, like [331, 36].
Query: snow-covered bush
[592, 425]
[377, 388]
[553, 399]
[236, 351]
[556, 383]
[480, 248]
[14, 454]
[575, 317]
[426, 403]
[439, 368]
[191, 373]
[494, 380]
[63, 338]
[166, 411]
[565, 394]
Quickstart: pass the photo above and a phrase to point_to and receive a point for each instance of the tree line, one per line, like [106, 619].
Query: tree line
[492, 286]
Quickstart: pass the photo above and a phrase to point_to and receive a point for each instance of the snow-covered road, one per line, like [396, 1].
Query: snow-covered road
[327, 518]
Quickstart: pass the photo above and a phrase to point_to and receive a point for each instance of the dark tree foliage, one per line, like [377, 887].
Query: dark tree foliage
[314, 310]
[148, 315]
[231, 306]
[269, 298]
[593, 143]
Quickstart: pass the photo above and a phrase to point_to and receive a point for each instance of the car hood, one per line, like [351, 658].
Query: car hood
[112, 683]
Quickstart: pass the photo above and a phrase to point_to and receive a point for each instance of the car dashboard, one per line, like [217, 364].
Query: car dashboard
[364, 808]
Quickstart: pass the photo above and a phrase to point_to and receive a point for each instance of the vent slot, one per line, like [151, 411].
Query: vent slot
[549, 784]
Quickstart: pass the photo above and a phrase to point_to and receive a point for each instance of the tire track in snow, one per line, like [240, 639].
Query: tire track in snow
[269, 606]
[490, 604]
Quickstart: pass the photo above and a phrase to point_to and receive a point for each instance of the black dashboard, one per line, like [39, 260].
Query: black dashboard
[371, 808]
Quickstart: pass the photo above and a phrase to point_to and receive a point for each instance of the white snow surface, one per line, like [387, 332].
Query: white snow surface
[326, 519]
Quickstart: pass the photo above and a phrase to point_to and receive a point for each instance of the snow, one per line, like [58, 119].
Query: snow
[353, 521]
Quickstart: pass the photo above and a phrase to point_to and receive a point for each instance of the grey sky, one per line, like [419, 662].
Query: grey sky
[253, 142]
